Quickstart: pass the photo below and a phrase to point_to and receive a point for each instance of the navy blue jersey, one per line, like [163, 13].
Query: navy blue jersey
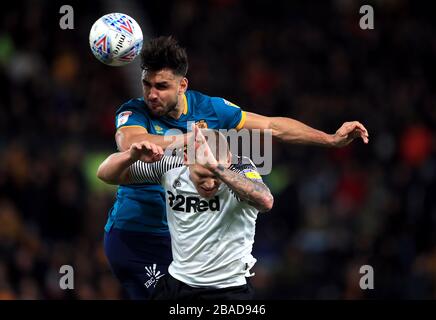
[141, 207]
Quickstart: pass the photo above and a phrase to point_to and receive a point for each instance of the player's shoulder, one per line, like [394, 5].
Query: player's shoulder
[170, 162]
[171, 177]
[175, 171]
[244, 166]
[207, 104]
[241, 163]
[136, 104]
[197, 98]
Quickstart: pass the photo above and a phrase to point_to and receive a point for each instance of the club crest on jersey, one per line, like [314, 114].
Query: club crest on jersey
[202, 124]
[192, 204]
[176, 184]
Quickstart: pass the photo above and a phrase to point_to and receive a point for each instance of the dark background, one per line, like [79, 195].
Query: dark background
[335, 209]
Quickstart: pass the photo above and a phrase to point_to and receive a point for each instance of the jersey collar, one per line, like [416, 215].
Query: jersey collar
[185, 102]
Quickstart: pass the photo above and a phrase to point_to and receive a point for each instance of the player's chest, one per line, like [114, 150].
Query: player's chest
[183, 199]
[164, 126]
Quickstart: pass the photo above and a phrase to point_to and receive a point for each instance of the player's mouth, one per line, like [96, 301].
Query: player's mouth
[155, 105]
[208, 192]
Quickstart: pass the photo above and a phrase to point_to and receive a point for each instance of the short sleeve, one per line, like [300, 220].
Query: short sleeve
[129, 115]
[229, 114]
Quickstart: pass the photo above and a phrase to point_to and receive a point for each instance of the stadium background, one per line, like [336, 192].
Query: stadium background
[335, 209]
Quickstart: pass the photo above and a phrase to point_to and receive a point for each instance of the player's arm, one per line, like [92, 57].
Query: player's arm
[256, 193]
[142, 163]
[293, 131]
[116, 168]
[126, 136]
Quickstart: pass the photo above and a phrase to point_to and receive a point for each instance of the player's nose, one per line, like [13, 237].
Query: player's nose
[152, 94]
[209, 184]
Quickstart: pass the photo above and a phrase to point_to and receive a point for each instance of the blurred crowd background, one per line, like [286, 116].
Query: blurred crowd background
[335, 209]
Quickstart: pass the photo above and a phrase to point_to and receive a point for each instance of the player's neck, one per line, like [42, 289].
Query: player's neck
[179, 109]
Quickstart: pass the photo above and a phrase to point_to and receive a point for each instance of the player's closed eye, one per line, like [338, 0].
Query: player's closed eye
[161, 86]
[205, 176]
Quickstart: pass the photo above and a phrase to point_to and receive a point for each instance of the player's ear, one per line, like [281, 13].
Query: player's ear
[183, 85]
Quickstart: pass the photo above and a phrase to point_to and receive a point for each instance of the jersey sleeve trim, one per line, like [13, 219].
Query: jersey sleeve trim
[185, 101]
[242, 122]
[132, 126]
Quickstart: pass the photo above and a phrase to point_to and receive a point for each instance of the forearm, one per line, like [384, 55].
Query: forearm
[255, 193]
[124, 141]
[114, 170]
[293, 131]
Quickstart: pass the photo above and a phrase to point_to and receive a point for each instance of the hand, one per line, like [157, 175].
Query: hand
[146, 151]
[203, 154]
[348, 132]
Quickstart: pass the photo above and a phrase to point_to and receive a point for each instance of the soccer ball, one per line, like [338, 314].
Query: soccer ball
[115, 39]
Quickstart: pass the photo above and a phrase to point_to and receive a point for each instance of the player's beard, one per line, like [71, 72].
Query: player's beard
[163, 110]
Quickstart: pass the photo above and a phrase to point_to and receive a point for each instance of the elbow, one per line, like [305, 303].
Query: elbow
[101, 174]
[277, 131]
[123, 140]
[267, 203]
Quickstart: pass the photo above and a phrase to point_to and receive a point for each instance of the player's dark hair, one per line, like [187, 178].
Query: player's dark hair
[164, 52]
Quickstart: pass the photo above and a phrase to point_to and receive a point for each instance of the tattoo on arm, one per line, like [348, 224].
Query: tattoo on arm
[220, 168]
[253, 192]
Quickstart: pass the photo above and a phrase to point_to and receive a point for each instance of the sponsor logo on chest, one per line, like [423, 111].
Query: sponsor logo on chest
[192, 204]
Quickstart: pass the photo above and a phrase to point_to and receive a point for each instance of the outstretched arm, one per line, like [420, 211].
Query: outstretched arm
[293, 131]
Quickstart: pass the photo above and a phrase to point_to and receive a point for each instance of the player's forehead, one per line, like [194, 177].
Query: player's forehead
[163, 75]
